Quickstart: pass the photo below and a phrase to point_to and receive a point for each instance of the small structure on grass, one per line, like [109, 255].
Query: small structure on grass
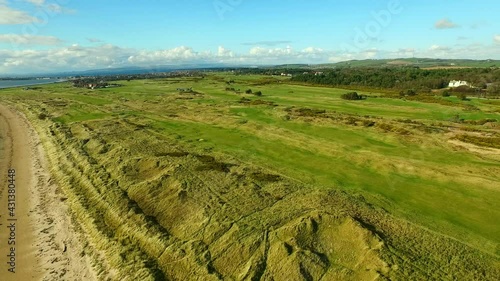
[459, 83]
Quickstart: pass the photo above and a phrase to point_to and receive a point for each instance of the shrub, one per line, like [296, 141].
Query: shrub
[368, 123]
[463, 89]
[245, 100]
[308, 112]
[351, 121]
[462, 96]
[258, 93]
[249, 91]
[410, 93]
[446, 94]
[352, 96]
[42, 116]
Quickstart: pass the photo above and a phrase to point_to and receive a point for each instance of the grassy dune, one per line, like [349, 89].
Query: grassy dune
[295, 184]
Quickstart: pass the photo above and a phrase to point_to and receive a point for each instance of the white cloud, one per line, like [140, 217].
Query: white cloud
[312, 50]
[178, 54]
[69, 58]
[312, 53]
[16, 39]
[270, 52]
[445, 24]
[496, 38]
[438, 48]
[12, 16]
[361, 55]
[370, 53]
[342, 57]
[223, 52]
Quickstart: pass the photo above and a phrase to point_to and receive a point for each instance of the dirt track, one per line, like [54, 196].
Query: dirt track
[46, 248]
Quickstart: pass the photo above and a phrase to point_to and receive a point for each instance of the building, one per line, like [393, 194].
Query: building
[455, 84]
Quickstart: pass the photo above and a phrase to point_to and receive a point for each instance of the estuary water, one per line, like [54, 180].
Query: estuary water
[24, 83]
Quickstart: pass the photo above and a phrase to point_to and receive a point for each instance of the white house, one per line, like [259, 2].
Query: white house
[455, 84]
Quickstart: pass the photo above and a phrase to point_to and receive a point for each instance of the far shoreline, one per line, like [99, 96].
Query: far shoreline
[41, 82]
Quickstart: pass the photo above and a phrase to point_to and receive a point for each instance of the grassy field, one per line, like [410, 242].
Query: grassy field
[402, 170]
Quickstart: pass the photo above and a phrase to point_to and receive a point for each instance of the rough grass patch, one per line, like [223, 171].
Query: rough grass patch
[493, 142]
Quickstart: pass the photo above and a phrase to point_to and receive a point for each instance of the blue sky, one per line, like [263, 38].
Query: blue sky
[56, 35]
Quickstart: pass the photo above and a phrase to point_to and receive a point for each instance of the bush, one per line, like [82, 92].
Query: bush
[463, 89]
[249, 91]
[446, 94]
[309, 112]
[42, 116]
[368, 123]
[462, 96]
[258, 93]
[352, 96]
[410, 93]
[351, 121]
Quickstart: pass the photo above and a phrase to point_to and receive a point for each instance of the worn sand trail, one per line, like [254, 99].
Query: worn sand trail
[17, 232]
[46, 248]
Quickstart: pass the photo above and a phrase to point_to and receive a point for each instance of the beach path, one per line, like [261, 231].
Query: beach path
[37, 236]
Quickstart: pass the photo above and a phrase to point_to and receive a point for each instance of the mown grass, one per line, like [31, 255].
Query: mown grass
[311, 136]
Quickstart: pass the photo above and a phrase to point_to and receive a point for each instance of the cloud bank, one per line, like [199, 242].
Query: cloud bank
[76, 57]
[10, 16]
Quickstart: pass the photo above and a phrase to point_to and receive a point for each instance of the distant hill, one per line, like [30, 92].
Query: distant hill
[416, 62]
[140, 69]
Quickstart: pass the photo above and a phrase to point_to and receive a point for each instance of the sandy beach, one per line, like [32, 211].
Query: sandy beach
[37, 240]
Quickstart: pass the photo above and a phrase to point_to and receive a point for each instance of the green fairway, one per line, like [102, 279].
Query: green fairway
[401, 155]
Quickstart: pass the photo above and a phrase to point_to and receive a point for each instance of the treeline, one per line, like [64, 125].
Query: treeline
[401, 78]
